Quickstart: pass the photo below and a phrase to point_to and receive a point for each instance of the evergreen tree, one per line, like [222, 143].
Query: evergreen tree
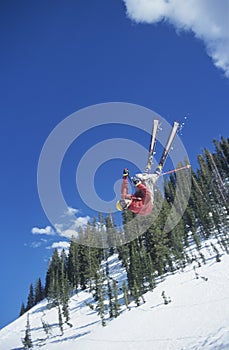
[100, 307]
[116, 301]
[88, 257]
[125, 295]
[102, 236]
[53, 278]
[123, 254]
[84, 267]
[93, 253]
[222, 156]
[39, 292]
[30, 300]
[22, 310]
[110, 298]
[60, 320]
[65, 300]
[27, 340]
[96, 287]
[111, 233]
[135, 272]
[149, 272]
[218, 189]
[73, 264]
[157, 242]
[201, 205]
[135, 293]
[64, 288]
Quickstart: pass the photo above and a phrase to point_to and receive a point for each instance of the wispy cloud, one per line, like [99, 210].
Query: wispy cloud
[59, 245]
[81, 221]
[48, 230]
[207, 19]
[67, 228]
[71, 211]
[68, 232]
[35, 244]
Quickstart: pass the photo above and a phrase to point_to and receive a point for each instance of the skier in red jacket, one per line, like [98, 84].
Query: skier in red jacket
[141, 202]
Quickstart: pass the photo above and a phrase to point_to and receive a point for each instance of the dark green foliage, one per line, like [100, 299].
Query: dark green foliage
[158, 242]
[110, 298]
[84, 267]
[39, 292]
[27, 340]
[73, 264]
[30, 301]
[136, 293]
[34, 296]
[149, 272]
[53, 278]
[22, 310]
[126, 295]
[111, 233]
[64, 288]
[135, 273]
[60, 320]
[116, 301]
[101, 295]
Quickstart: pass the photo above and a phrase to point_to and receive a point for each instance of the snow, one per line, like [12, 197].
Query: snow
[196, 318]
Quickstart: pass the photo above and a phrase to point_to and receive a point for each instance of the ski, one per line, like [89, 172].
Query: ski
[152, 145]
[175, 170]
[168, 146]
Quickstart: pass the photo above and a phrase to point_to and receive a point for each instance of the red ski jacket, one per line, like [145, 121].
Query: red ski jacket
[141, 200]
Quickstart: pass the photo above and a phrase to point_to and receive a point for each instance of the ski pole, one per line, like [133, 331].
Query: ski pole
[175, 170]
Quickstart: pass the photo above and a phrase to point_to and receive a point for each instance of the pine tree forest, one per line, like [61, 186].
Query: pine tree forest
[147, 258]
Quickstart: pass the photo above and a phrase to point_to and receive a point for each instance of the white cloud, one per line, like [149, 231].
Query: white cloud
[207, 19]
[68, 232]
[71, 211]
[48, 230]
[59, 245]
[81, 221]
[65, 229]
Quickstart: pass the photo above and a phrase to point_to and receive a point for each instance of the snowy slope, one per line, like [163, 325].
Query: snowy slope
[196, 318]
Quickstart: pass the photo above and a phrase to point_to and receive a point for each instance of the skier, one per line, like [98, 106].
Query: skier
[141, 202]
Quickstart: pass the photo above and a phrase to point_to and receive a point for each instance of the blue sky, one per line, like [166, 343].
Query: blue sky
[59, 57]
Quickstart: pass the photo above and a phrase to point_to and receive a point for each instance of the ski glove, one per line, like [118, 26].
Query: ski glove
[125, 173]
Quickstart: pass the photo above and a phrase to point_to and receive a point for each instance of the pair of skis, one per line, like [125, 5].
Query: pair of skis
[166, 149]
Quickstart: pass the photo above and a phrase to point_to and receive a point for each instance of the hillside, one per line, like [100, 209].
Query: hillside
[196, 318]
